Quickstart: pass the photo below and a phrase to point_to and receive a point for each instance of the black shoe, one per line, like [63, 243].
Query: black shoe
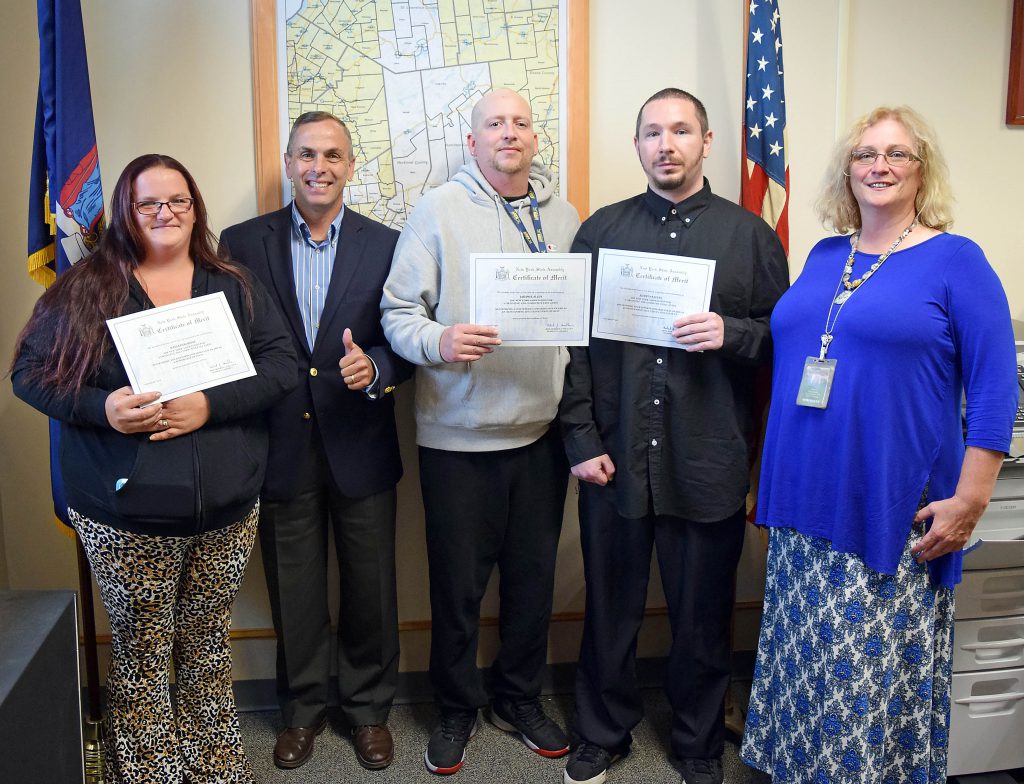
[446, 750]
[526, 718]
[588, 764]
[701, 771]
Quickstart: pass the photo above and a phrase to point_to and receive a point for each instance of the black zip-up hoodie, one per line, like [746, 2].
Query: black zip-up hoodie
[198, 482]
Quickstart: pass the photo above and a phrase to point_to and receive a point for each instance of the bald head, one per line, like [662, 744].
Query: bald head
[501, 99]
[502, 140]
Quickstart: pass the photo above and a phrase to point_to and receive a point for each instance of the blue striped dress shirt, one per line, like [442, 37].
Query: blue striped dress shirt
[312, 265]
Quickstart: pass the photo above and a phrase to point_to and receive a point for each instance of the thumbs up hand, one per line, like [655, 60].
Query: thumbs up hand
[357, 370]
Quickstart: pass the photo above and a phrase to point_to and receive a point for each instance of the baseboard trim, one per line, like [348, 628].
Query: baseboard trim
[424, 624]
[260, 694]
[414, 687]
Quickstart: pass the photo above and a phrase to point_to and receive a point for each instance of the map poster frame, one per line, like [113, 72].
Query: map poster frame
[267, 121]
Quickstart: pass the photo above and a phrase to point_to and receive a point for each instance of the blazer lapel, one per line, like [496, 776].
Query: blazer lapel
[351, 241]
[277, 244]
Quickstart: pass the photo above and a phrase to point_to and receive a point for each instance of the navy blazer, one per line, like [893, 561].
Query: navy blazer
[358, 434]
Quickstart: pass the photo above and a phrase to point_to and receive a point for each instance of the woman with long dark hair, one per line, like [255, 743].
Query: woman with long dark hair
[164, 496]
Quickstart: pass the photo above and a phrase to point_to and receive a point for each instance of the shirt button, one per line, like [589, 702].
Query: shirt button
[686, 220]
[312, 371]
[673, 212]
[672, 235]
[307, 415]
[659, 360]
[662, 218]
[654, 442]
[657, 402]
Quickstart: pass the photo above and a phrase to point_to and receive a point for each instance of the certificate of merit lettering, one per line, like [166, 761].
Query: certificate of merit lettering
[534, 299]
[181, 348]
[638, 295]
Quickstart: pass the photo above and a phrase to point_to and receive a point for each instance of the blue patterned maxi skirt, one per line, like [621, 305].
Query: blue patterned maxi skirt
[853, 669]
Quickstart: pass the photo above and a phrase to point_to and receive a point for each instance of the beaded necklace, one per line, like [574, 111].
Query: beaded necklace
[846, 287]
[849, 286]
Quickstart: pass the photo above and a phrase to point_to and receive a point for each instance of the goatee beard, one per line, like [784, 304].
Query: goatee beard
[507, 167]
[669, 182]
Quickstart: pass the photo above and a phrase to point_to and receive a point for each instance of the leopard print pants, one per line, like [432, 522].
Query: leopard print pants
[170, 597]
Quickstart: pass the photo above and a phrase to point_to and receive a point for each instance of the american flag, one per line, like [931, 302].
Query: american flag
[764, 185]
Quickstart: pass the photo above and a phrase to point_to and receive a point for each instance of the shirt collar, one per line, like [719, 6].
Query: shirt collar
[689, 207]
[299, 225]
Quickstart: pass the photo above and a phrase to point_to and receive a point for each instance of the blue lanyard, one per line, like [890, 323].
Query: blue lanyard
[535, 215]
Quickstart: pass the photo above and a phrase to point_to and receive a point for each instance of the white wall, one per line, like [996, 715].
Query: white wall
[175, 78]
[956, 76]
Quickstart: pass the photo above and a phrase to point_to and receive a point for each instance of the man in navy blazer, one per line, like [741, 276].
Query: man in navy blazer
[333, 448]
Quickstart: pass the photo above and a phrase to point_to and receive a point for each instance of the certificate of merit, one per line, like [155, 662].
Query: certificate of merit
[534, 299]
[639, 295]
[182, 347]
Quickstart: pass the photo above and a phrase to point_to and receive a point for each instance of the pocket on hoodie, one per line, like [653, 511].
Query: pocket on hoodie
[161, 485]
[230, 473]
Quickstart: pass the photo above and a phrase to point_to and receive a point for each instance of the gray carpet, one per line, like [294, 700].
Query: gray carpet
[492, 756]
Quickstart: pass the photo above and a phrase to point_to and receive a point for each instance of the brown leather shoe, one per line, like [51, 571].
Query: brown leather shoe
[294, 745]
[374, 746]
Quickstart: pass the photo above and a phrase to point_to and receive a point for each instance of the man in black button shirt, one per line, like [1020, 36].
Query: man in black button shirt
[660, 439]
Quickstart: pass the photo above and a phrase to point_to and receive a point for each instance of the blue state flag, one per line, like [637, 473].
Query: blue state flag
[65, 212]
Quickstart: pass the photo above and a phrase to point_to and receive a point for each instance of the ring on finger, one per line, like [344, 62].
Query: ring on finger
[164, 423]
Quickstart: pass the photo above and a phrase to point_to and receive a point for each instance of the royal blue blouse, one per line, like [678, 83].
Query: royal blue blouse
[931, 324]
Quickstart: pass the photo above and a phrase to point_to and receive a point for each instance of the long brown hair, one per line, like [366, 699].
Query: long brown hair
[76, 307]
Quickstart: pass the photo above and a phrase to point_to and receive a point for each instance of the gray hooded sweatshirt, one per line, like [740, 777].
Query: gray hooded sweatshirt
[506, 399]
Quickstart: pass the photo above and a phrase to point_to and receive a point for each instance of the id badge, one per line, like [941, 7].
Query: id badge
[816, 382]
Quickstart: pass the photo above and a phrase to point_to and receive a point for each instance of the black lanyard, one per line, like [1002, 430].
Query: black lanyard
[535, 215]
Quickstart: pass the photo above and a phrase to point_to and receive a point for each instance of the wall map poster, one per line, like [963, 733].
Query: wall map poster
[404, 75]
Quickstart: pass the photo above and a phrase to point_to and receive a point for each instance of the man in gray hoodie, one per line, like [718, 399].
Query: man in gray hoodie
[492, 468]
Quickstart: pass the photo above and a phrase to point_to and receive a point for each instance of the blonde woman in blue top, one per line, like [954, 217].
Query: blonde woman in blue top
[866, 482]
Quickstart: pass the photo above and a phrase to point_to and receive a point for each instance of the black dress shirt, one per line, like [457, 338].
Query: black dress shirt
[677, 424]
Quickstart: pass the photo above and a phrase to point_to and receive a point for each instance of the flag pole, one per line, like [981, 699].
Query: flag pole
[91, 735]
[734, 718]
[92, 672]
[743, 96]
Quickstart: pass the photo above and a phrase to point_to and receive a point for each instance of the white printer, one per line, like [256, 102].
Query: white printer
[987, 710]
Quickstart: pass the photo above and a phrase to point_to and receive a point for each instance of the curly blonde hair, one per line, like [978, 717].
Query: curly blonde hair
[836, 207]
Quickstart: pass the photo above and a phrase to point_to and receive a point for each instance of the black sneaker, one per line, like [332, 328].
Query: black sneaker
[701, 771]
[526, 718]
[588, 764]
[446, 750]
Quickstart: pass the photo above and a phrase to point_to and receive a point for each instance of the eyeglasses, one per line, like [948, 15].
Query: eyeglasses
[177, 206]
[897, 157]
